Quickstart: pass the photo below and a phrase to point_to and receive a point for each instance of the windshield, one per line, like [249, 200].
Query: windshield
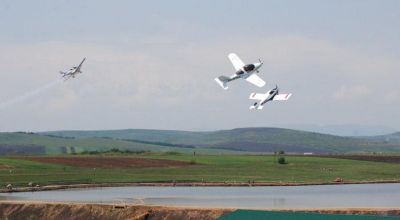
[249, 67]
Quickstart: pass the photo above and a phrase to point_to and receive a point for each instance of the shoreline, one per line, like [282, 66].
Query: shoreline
[183, 184]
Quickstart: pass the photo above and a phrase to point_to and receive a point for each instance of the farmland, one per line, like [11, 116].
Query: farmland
[165, 167]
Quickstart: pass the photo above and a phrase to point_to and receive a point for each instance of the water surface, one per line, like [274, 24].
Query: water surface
[326, 196]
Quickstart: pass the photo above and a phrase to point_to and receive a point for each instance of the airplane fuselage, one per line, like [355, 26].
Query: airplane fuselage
[271, 94]
[247, 70]
[242, 70]
[73, 71]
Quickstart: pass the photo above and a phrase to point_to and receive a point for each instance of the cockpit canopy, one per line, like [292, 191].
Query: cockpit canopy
[249, 67]
[274, 91]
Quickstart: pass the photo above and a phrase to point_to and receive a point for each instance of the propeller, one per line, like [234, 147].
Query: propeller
[260, 60]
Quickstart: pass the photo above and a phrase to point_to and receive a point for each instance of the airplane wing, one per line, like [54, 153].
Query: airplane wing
[256, 80]
[282, 97]
[236, 61]
[258, 96]
[79, 67]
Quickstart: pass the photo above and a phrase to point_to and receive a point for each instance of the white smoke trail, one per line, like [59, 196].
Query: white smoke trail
[30, 94]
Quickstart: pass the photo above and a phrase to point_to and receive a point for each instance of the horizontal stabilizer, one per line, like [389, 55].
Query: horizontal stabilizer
[259, 107]
[222, 81]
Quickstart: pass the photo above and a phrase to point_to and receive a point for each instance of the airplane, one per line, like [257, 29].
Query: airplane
[246, 72]
[271, 95]
[73, 71]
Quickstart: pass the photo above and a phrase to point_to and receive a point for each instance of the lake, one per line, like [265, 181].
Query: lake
[269, 197]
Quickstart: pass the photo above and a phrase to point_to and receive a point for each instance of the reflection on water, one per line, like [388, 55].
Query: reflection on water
[329, 196]
[278, 202]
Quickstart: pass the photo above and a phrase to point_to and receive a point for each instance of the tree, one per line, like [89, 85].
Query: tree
[282, 160]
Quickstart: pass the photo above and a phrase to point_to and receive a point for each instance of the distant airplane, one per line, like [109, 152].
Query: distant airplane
[271, 95]
[246, 72]
[73, 71]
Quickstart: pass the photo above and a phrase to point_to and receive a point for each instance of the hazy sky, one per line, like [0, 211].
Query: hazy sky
[151, 64]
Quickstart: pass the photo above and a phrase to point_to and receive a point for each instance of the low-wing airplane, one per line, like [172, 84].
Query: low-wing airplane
[73, 71]
[246, 72]
[271, 95]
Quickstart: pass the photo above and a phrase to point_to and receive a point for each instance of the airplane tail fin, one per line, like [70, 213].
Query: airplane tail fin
[63, 73]
[223, 81]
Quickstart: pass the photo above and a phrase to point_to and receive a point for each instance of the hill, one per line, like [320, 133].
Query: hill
[31, 143]
[247, 139]
[393, 138]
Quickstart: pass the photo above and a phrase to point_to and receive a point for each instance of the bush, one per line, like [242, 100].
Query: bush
[282, 160]
[115, 150]
[172, 153]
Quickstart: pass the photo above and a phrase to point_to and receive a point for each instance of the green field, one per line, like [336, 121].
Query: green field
[209, 168]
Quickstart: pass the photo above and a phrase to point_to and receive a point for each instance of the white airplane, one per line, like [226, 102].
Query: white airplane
[271, 95]
[73, 71]
[246, 72]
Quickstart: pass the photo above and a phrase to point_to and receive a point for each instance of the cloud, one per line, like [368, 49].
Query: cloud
[352, 92]
[392, 96]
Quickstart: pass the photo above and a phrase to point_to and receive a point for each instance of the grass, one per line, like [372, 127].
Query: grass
[209, 168]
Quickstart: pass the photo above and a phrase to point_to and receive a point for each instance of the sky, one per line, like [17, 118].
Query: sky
[151, 64]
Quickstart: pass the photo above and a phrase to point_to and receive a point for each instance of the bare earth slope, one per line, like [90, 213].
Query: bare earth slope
[105, 212]
[24, 210]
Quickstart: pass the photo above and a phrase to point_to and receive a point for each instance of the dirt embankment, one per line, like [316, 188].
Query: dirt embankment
[37, 210]
[11, 211]
[180, 184]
